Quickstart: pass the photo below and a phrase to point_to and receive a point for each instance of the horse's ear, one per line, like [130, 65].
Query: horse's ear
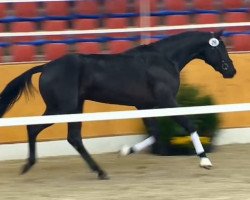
[219, 33]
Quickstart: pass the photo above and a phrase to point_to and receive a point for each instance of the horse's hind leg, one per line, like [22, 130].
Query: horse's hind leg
[33, 131]
[75, 139]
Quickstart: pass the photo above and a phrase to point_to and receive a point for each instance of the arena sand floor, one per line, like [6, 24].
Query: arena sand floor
[138, 177]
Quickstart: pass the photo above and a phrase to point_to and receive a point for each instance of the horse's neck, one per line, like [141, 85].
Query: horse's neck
[183, 51]
[151, 56]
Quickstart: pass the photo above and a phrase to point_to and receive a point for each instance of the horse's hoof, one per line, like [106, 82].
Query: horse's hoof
[205, 163]
[125, 150]
[25, 168]
[103, 176]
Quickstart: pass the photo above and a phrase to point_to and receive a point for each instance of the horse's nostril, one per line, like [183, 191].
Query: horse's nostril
[225, 66]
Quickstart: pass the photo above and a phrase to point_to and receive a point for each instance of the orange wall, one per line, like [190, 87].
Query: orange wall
[224, 91]
[197, 73]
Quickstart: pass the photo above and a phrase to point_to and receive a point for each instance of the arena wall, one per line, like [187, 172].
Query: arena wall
[196, 73]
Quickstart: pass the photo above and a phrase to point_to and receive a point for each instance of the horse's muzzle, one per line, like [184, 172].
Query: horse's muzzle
[228, 70]
[229, 74]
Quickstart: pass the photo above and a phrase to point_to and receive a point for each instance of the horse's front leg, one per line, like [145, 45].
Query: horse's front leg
[183, 121]
[189, 126]
[186, 123]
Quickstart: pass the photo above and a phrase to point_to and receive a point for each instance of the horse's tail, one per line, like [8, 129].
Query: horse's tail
[14, 89]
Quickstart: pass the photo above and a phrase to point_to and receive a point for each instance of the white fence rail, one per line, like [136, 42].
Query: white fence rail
[125, 30]
[119, 115]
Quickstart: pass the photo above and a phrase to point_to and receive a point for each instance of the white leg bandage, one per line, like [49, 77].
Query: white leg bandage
[145, 143]
[197, 143]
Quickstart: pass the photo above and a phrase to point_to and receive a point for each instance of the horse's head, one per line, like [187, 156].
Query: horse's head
[216, 55]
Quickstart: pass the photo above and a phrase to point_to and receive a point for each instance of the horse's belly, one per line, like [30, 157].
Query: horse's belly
[120, 87]
[122, 98]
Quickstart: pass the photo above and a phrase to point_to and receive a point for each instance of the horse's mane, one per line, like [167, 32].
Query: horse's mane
[188, 35]
[171, 40]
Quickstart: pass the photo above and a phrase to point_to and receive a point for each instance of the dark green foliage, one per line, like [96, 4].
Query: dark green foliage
[207, 124]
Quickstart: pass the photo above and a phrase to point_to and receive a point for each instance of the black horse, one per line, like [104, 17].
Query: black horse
[146, 77]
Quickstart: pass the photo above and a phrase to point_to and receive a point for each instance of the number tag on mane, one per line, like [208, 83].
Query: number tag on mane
[213, 42]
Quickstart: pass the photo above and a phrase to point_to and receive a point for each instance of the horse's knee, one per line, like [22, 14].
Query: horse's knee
[186, 123]
[191, 128]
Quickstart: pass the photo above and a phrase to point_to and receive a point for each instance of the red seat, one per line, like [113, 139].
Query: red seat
[53, 51]
[174, 20]
[204, 5]
[85, 24]
[89, 7]
[3, 9]
[88, 47]
[236, 17]
[25, 9]
[207, 18]
[58, 8]
[54, 25]
[117, 6]
[176, 5]
[119, 46]
[23, 53]
[113, 23]
[23, 27]
[239, 42]
[230, 4]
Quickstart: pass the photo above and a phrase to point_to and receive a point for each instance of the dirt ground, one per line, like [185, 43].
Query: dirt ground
[137, 177]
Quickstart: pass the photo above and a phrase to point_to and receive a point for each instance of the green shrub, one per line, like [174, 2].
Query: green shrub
[174, 139]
